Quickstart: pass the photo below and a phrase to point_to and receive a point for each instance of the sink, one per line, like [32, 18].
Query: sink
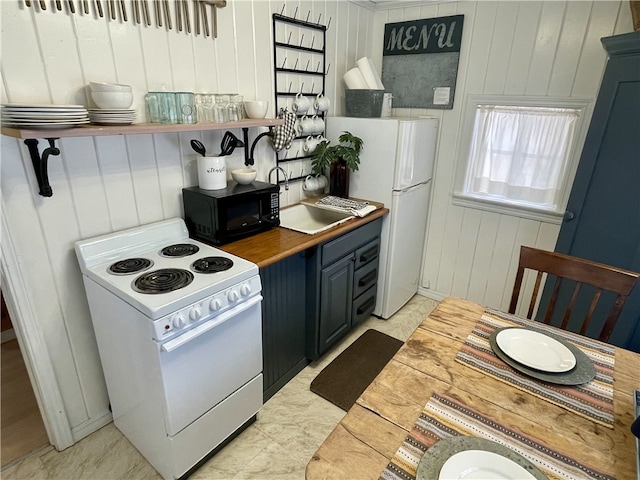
[310, 219]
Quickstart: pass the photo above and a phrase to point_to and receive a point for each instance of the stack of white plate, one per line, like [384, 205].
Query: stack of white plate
[105, 116]
[43, 116]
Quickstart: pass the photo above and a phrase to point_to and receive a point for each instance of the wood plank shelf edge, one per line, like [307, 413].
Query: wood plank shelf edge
[135, 129]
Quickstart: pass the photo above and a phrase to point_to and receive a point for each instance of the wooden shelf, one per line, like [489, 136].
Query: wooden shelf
[135, 129]
[40, 160]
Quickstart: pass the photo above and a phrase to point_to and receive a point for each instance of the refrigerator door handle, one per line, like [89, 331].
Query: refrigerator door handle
[412, 187]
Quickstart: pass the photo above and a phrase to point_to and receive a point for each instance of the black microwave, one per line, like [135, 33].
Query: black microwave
[222, 216]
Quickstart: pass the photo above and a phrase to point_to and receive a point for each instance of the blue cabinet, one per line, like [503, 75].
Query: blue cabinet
[283, 322]
[342, 276]
[605, 197]
[312, 299]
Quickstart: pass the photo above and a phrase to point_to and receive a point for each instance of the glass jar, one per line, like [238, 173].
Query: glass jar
[220, 113]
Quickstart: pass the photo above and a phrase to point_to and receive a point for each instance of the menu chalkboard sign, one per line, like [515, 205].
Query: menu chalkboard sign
[420, 61]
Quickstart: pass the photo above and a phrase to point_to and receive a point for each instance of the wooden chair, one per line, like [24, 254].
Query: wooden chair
[583, 272]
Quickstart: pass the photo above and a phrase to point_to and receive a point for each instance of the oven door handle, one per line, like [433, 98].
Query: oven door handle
[171, 345]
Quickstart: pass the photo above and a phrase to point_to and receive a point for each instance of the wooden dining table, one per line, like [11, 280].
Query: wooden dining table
[369, 435]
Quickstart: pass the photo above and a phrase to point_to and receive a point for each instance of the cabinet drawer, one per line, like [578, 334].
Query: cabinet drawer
[363, 306]
[349, 242]
[364, 278]
[367, 253]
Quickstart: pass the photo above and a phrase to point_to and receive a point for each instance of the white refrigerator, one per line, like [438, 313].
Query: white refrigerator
[396, 168]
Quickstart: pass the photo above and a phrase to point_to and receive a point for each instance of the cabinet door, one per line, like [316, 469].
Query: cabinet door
[283, 322]
[605, 198]
[336, 286]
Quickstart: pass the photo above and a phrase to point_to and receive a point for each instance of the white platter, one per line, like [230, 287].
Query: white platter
[27, 121]
[41, 107]
[112, 122]
[535, 350]
[48, 126]
[53, 115]
[480, 464]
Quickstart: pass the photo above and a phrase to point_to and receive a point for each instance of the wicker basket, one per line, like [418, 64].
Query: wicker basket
[635, 14]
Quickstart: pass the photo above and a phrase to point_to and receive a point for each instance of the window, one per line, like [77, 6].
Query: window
[520, 154]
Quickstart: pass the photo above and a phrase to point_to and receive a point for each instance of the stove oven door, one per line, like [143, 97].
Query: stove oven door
[209, 362]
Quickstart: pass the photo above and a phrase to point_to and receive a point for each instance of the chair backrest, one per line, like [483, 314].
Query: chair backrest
[583, 272]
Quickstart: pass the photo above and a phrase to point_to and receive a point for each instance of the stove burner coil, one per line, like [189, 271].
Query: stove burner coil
[130, 265]
[162, 281]
[179, 250]
[212, 264]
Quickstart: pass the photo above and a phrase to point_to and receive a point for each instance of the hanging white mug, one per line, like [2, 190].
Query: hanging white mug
[310, 144]
[318, 124]
[301, 104]
[322, 103]
[307, 126]
[312, 183]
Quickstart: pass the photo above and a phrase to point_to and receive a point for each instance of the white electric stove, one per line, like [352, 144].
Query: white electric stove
[179, 329]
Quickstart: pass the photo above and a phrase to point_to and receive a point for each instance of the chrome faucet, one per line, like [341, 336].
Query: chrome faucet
[286, 179]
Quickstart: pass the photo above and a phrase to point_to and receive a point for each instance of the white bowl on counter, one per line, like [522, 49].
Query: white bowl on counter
[112, 100]
[244, 176]
[256, 108]
[109, 87]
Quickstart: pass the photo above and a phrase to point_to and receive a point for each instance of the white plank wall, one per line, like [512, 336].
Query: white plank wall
[509, 48]
[105, 184]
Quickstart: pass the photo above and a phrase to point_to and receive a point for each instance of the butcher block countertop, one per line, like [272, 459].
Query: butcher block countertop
[278, 243]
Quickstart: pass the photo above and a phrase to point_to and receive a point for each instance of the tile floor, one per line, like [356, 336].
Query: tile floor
[290, 428]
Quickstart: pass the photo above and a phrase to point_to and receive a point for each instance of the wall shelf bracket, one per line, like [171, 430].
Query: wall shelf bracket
[248, 153]
[40, 163]
[248, 159]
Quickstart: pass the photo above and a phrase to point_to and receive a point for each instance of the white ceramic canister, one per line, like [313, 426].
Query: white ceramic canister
[212, 173]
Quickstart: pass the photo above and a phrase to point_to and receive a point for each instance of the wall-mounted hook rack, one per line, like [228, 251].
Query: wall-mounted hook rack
[40, 163]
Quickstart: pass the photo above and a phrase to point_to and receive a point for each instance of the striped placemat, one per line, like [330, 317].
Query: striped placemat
[445, 417]
[593, 400]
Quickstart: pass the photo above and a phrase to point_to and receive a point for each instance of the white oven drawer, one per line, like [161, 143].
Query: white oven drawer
[207, 364]
[196, 441]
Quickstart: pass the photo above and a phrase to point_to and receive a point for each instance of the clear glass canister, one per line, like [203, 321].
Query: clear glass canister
[161, 107]
[186, 107]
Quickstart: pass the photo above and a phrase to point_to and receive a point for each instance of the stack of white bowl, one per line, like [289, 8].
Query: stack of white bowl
[114, 101]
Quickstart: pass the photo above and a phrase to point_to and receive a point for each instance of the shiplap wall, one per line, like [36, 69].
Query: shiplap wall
[105, 184]
[509, 48]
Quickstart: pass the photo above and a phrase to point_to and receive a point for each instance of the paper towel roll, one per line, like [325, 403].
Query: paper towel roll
[354, 80]
[369, 74]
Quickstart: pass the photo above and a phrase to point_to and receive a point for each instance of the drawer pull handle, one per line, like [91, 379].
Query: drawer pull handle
[368, 278]
[369, 254]
[366, 305]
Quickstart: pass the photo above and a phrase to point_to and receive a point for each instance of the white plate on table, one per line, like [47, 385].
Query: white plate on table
[479, 464]
[443, 460]
[535, 350]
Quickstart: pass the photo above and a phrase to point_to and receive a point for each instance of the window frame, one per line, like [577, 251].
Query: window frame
[484, 202]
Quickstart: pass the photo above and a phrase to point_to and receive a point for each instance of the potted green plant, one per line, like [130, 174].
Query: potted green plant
[340, 159]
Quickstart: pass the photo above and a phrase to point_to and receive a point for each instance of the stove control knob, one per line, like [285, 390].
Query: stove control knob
[215, 304]
[233, 296]
[245, 289]
[178, 321]
[195, 314]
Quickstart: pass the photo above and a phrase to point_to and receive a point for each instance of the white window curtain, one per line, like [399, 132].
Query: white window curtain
[520, 154]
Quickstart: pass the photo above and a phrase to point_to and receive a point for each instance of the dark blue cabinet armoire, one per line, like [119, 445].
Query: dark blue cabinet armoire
[605, 197]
